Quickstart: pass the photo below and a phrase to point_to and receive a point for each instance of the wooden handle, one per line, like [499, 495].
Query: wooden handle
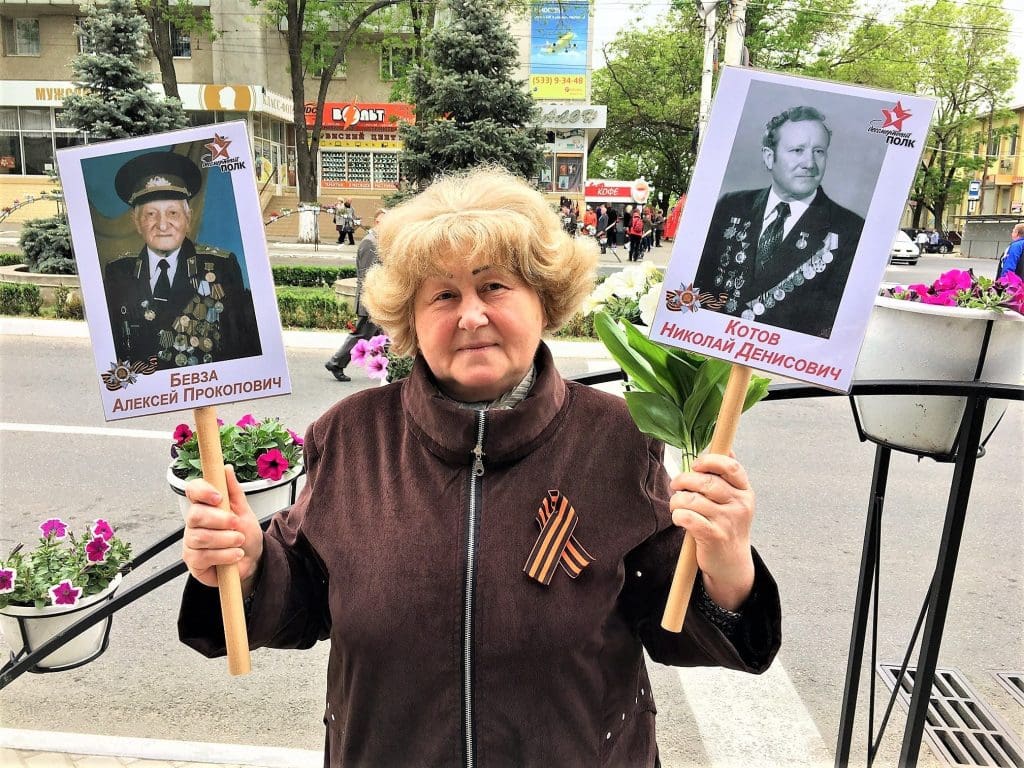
[236, 638]
[721, 443]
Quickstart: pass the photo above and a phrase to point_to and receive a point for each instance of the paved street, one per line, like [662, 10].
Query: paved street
[812, 478]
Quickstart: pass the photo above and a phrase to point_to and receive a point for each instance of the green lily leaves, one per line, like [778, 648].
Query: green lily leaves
[674, 395]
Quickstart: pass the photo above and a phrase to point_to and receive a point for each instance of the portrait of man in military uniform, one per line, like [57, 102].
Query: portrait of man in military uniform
[781, 255]
[174, 301]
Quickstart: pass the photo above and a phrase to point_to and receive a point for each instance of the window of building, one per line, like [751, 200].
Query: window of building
[1012, 143]
[83, 45]
[395, 61]
[181, 42]
[21, 37]
[322, 58]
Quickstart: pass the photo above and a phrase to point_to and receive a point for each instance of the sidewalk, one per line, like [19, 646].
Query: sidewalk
[47, 749]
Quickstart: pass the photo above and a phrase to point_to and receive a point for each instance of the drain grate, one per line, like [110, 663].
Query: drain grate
[1014, 683]
[958, 726]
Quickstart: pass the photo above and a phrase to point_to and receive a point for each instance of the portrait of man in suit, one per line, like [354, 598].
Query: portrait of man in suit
[781, 255]
[174, 302]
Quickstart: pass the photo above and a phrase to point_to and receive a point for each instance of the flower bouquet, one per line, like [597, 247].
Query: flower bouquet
[46, 589]
[672, 394]
[266, 456]
[380, 362]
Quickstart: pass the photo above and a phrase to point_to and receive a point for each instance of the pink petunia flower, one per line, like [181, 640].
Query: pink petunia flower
[271, 465]
[65, 593]
[246, 421]
[182, 432]
[943, 298]
[954, 279]
[360, 351]
[377, 344]
[377, 366]
[54, 527]
[96, 550]
[1010, 280]
[295, 438]
[102, 528]
[7, 578]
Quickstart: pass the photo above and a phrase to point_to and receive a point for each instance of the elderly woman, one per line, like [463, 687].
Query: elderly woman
[487, 547]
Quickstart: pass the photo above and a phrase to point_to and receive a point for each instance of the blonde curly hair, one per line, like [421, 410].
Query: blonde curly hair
[484, 215]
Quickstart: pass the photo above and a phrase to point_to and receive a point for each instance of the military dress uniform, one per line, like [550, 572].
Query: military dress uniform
[208, 314]
[208, 317]
[801, 286]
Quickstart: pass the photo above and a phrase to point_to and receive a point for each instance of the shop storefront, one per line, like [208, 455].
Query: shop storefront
[359, 144]
[569, 128]
[33, 124]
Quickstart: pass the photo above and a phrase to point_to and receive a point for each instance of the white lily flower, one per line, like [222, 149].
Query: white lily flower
[649, 303]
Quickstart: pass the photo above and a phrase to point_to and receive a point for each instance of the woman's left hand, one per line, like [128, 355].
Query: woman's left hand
[714, 503]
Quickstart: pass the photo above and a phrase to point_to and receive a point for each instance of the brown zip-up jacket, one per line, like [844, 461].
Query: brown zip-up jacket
[443, 651]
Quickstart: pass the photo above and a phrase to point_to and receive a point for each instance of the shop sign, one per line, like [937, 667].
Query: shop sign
[612, 191]
[225, 98]
[558, 86]
[360, 144]
[361, 116]
[347, 184]
[35, 93]
[275, 105]
[563, 115]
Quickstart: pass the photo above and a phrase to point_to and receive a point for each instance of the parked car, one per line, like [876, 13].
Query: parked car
[904, 249]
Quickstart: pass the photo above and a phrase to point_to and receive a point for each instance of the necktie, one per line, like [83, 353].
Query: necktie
[772, 236]
[162, 291]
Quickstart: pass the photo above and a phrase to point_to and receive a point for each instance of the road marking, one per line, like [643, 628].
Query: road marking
[749, 720]
[58, 429]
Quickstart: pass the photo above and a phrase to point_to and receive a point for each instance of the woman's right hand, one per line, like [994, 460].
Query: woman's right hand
[215, 537]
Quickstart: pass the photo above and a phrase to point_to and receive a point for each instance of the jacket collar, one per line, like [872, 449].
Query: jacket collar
[449, 431]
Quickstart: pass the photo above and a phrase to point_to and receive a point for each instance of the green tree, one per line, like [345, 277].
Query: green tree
[186, 18]
[957, 53]
[651, 87]
[115, 101]
[469, 108]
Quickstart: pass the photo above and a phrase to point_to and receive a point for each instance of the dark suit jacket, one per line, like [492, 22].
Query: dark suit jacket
[811, 289]
[136, 319]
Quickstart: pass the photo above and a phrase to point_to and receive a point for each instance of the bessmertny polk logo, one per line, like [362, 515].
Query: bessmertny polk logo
[892, 126]
[220, 157]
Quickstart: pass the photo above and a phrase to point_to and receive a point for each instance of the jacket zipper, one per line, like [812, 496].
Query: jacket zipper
[472, 524]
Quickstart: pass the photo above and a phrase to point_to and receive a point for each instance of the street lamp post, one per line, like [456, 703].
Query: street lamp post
[735, 32]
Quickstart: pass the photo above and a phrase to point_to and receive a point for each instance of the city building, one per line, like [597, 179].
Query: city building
[243, 74]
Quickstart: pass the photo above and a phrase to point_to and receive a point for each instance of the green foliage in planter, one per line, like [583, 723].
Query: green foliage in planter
[67, 304]
[578, 326]
[46, 244]
[310, 276]
[312, 308]
[20, 299]
[11, 259]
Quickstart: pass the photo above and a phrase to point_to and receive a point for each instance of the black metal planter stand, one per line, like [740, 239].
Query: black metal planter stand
[936, 602]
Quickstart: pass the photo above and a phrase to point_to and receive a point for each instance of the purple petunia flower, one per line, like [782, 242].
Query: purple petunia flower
[246, 421]
[54, 527]
[377, 366]
[102, 528]
[182, 432]
[7, 578]
[271, 465]
[295, 438]
[360, 351]
[96, 550]
[65, 593]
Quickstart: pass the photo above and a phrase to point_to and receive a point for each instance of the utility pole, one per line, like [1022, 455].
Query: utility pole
[708, 10]
[735, 32]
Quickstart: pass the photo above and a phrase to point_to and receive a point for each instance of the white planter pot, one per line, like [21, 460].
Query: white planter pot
[28, 628]
[264, 496]
[910, 340]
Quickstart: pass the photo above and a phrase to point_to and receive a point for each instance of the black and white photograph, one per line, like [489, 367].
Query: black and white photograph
[787, 221]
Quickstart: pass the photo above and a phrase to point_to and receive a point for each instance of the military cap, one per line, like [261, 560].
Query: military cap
[157, 176]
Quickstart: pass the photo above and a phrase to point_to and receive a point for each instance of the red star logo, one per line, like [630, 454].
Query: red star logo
[219, 147]
[894, 117]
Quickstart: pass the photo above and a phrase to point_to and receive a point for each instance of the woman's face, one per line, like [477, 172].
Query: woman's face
[478, 328]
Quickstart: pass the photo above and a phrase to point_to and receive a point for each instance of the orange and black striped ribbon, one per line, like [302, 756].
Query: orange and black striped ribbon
[556, 544]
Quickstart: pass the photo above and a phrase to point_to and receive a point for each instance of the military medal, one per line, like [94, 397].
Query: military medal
[758, 308]
[741, 257]
[210, 277]
[730, 231]
[802, 242]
